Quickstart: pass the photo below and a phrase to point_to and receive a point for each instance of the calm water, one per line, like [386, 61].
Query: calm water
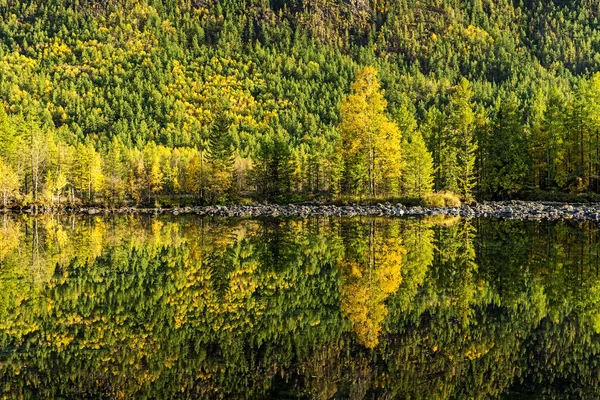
[184, 307]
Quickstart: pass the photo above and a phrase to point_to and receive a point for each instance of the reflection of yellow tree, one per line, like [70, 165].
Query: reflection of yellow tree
[10, 234]
[370, 276]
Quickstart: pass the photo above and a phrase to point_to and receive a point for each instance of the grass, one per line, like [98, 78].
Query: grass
[441, 199]
[345, 200]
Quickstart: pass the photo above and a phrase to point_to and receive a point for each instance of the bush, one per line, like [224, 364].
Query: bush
[441, 199]
[433, 200]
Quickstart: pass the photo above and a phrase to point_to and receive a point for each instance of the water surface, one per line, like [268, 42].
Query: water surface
[189, 307]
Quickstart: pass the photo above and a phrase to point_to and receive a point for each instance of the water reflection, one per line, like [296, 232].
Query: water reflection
[125, 307]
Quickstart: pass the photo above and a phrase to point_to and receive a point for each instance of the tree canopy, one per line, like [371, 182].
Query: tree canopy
[219, 99]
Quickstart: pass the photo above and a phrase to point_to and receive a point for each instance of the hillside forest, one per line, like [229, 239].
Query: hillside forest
[166, 102]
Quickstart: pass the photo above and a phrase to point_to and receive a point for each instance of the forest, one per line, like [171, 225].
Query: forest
[162, 102]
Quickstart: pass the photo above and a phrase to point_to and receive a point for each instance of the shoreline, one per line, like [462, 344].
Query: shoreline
[524, 210]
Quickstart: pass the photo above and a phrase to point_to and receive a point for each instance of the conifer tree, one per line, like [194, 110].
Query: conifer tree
[272, 172]
[459, 147]
[417, 176]
[417, 179]
[9, 182]
[593, 113]
[538, 140]
[555, 128]
[431, 129]
[221, 156]
[507, 158]
[36, 146]
[9, 136]
[370, 141]
[114, 172]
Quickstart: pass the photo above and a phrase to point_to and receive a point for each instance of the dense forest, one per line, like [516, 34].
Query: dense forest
[211, 101]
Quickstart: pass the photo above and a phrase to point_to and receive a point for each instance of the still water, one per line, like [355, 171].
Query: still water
[361, 308]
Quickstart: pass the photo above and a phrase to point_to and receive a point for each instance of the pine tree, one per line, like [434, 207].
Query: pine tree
[114, 172]
[9, 136]
[432, 129]
[507, 159]
[593, 113]
[417, 176]
[221, 156]
[538, 141]
[417, 179]
[459, 147]
[272, 173]
[87, 175]
[154, 174]
[578, 139]
[555, 129]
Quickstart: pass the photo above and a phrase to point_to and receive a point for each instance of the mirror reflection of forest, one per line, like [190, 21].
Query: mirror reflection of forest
[186, 307]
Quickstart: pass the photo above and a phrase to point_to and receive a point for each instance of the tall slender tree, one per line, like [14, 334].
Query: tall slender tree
[459, 146]
[370, 140]
[507, 159]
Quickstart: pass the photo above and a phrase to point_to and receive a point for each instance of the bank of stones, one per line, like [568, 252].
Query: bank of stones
[504, 210]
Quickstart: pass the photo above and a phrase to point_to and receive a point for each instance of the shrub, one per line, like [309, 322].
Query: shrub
[441, 199]
[433, 200]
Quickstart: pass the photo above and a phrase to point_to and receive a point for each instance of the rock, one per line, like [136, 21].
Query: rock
[534, 211]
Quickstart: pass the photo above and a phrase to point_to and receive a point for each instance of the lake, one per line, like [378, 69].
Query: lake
[350, 308]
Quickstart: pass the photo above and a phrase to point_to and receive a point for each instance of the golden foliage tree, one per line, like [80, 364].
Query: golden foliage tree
[9, 182]
[369, 140]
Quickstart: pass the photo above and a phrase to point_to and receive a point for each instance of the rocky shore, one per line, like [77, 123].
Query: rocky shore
[505, 210]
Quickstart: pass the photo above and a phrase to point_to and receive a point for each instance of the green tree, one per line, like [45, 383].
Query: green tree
[417, 179]
[221, 154]
[272, 172]
[432, 128]
[9, 136]
[507, 158]
[539, 141]
[457, 156]
[555, 132]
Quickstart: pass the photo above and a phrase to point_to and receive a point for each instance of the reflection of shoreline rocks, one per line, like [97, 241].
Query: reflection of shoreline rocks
[505, 210]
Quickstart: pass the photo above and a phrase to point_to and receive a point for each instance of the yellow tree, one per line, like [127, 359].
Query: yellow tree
[9, 182]
[197, 173]
[61, 156]
[154, 174]
[87, 171]
[369, 140]
[10, 237]
[115, 172]
[35, 150]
